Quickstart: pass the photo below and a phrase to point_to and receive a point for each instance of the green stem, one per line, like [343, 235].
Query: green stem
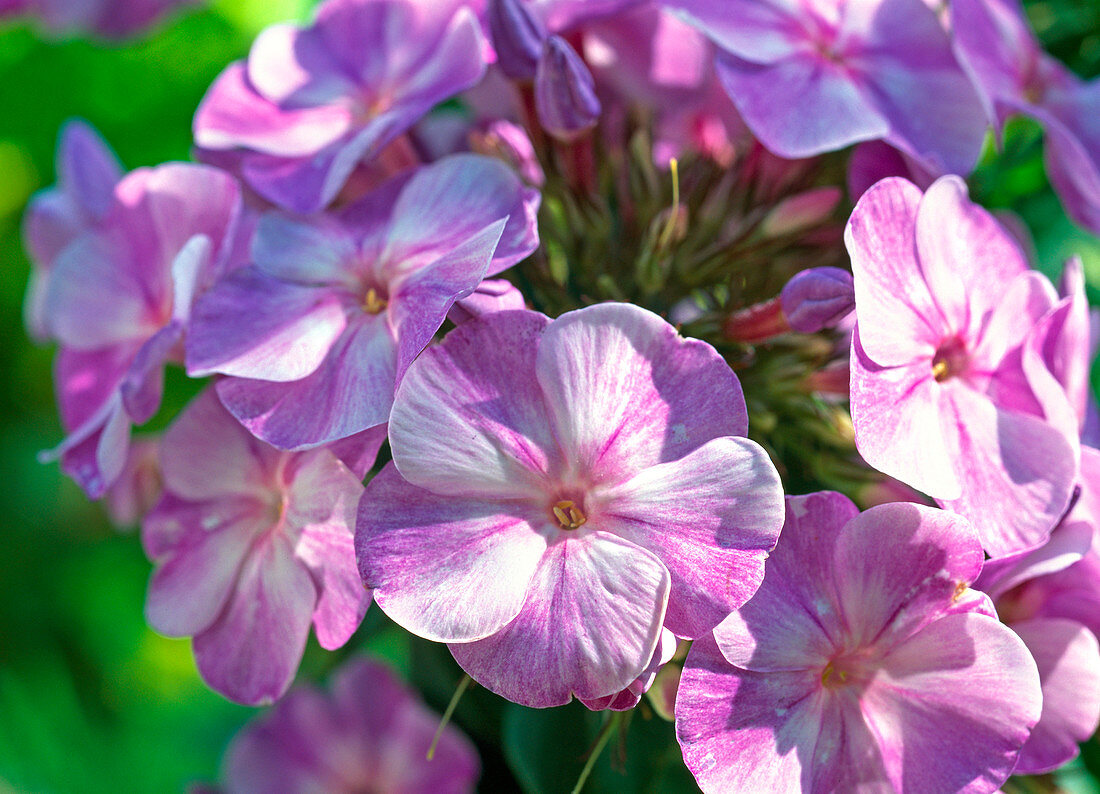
[463, 685]
[601, 742]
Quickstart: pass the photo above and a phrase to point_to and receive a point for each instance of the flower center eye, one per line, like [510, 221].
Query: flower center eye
[569, 516]
[374, 302]
[951, 359]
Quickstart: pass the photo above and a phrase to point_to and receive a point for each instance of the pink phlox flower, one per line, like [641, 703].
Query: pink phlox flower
[814, 76]
[311, 103]
[942, 396]
[561, 491]
[119, 301]
[370, 733]
[863, 662]
[319, 330]
[250, 545]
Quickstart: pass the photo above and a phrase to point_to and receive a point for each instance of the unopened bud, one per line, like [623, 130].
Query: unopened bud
[801, 212]
[565, 93]
[517, 38]
[509, 142]
[757, 323]
[818, 298]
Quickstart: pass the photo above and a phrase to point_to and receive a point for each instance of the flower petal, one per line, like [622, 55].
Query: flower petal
[251, 652]
[444, 568]
[588, 628]
[711, 518]
[628, 392]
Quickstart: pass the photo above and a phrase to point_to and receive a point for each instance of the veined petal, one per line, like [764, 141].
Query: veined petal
[900, 318]
[293, 68]
[898, 422]
[311, 252]
[627, 391]
[589, 626]
[445, 568]
[711, 517]
[489, 408]
[253, 326]
[457, 198]
[1019, 474]
[350, 392]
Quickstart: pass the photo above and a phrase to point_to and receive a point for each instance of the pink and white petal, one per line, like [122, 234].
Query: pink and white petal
[710, 517]
[627, 391]
[1068, 543]
[85, 381]
[457, 198]
[251, 325]
[1068, 659]
[350, 392]
[794, 621]
[1019, 474]
[96, 296]
[448, 570]
[233, 115]
[968, 259]
[421, 300]
[589, 626]
[296, 184]
[833, 109]
[492, 402]
[251, 652]
[308, 251]
[901, 319]
[746, 731]
[231, 460]
[1072, 164]
[898, 422]
[898, 566]
[293, 68]
[194, 577]
[491, 295]
[369, 697]
[626, 699]
[443, 68]
[953, 704]
[322, 501]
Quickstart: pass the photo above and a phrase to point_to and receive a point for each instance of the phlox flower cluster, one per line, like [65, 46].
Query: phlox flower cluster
[420, 398]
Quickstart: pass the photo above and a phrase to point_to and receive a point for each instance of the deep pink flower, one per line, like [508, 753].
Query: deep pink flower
[818, 75]
[251, 546]
[863, 662]
[319, 330]
[119, 303]
[371, 734]
[560, 492]
[310, 104]
[940, 396]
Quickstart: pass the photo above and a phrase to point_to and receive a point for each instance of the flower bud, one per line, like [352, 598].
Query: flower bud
[517, 38]
[801, 212]
[565, 93]
[818, 298]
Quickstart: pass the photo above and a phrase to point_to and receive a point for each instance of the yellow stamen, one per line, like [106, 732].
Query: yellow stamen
[960, 588]
[568, 515]
[373, 303]
[939, 371]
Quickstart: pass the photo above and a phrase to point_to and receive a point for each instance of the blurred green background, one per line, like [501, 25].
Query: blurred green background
[90, 699]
